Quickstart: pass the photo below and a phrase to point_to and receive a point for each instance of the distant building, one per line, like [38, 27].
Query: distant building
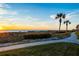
[77, 27]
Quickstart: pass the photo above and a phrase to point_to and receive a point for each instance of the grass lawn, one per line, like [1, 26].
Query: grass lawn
[55, 49]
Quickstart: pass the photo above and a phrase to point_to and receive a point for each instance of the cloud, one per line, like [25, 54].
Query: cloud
[52, 16]
[27, 21]
[73, 14]
[7, 12]
[4, 5]
[11, 17]
[4, 9]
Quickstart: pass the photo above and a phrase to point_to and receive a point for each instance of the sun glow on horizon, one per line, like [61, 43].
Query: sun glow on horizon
[1, 28]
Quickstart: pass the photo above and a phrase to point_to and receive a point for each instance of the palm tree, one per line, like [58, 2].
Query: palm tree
[67, 22]
[60, 16]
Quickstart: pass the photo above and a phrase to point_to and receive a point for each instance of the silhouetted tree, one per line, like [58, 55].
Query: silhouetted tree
[67, 22]
[60, 16]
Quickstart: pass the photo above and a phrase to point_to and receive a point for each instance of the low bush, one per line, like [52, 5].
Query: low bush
[19, 36]
[37, 36]
[77, 33]
[61, 35]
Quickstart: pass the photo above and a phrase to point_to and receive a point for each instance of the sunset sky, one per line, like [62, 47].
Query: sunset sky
[30, 16]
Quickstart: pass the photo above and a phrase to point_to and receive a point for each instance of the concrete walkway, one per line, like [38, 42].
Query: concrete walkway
[72, 39]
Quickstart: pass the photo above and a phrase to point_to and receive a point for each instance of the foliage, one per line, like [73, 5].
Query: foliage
[37, 36]
[77, 33]
[60, 16]
[67, 22]
[61, 35]
[15, 37]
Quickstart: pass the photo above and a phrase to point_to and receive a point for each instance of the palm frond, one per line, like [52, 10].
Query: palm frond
[69, 22]
[56, 17]
[64, 22]
[63, 16]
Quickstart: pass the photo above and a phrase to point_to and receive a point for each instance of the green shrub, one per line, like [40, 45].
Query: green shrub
[77, 33]
[61, 35]
[37, 36]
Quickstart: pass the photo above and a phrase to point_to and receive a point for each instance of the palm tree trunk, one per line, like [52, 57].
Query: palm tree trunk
[59, 24]
[66, 27]
[59, 27]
